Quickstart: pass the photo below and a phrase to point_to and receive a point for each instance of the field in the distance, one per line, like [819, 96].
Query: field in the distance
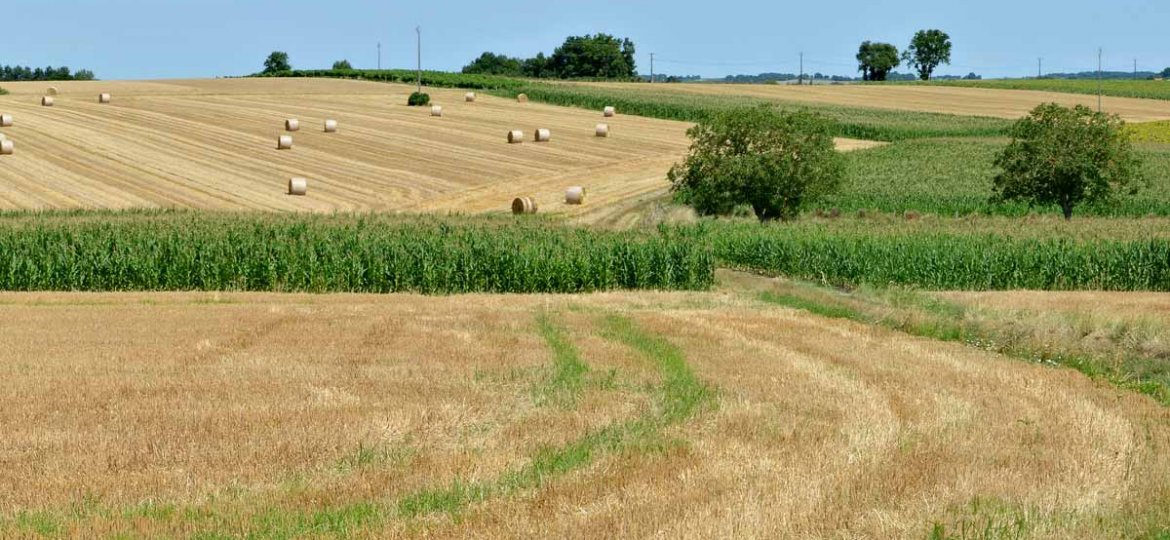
[211, 144]
[986, 102]
[673, 414]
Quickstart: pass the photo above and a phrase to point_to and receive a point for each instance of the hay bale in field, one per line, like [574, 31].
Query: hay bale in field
[6, 147]
[104, 98]
[523, 205]
[436, 110]
[292, 124]
[331, 126]
[284, 142]
[603, 130]
[298, 186]
[575, 195]
[543, 135]
[52, 91]
[469, 97]
[5, 120]
[522, 98]
[515, 136]
[609, 112]
[47, 101]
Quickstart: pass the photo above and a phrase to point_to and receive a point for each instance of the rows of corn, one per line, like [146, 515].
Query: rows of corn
[339, 254]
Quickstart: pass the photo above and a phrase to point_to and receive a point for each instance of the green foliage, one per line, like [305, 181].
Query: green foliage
[773, 161]
[594, 56]
[3, 92]
[50, 73]
[342, 65]
[490, 63]
[277, 62]
[876, 60]
[436, 79]
[418, 99]
[196, 251]
[927, 51]
[943, 258]
[1062, 156]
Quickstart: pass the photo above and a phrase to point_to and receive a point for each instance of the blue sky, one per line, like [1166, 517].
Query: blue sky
[141, 39]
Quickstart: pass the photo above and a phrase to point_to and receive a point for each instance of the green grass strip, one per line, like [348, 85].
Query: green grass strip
[564, 386]
[680, 396]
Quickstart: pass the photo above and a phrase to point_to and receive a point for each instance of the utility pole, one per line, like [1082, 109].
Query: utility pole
[1135, 69]
[418, 30]
[379, 56]
[1039, 68]
[800, 81]
[651, 68]
[1099, 55]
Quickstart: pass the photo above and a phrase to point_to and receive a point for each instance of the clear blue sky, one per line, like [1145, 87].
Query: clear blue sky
[143, 39]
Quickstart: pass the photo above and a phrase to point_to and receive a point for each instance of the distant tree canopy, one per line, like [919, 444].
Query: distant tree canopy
[25, 73]
[876, 60]
[277, 62]
[342, 64]
[599, 56]
[928, 50]
[1166, 73]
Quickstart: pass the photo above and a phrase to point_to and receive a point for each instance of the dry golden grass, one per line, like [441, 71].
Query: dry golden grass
[237, 411]
[936, 99]
[210, 144]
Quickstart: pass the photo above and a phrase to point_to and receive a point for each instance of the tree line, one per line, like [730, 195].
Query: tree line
[599, 56]
[50, 73]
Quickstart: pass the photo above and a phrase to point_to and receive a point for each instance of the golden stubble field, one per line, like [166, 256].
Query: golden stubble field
[297, 415]
[211, 144]
[993, 103]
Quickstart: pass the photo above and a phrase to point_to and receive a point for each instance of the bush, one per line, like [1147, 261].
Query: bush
[772, 161]
[1062, 156]
[418, 99]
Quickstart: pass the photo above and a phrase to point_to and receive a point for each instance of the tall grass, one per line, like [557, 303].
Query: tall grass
[937, 258]
[175, 252]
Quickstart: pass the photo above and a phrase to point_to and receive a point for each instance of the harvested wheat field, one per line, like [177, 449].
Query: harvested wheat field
[988, 102]
[677, 415]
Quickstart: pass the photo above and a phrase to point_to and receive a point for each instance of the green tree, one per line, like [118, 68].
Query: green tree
[1166, 73]
[537, 66]
[772, 161]
[83, 75]
[490, 63]
[342, 65]
[928, 50]
[594, 56]
[277, 62]
[876, 60]
[1062, 156]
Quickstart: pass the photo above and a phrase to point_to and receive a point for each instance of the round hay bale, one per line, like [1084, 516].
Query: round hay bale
[609, 112]
[47, 101]
[603, 130]
[104, 98]
[522, 98]
[523, 205]
[284, 142]
[469, 97]
[6, 148]
[52, 91]
[292, 124]
[298, 186]
[543, 135]
[5, 120]
[436, 110]
[515, 136]
[575, 195]
[331, 126]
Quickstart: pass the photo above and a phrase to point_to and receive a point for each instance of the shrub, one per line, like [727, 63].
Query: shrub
[772, 161]
[418, 99]
[1066, 156]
